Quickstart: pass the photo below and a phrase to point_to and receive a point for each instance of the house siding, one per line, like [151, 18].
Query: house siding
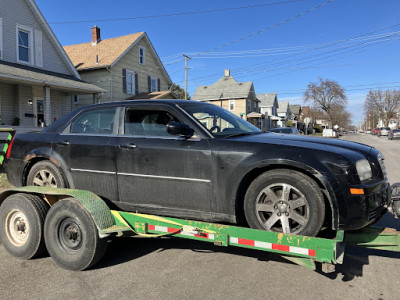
[19, 12]
[7, 103]
[112, 80]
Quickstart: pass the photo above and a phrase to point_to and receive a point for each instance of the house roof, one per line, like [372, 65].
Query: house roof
[53, 37]
[283, 106]
[295, 108]
[306, 111]
[225, 88]
[83, 56]
[24, 74]
[154, 95]
[267, 100]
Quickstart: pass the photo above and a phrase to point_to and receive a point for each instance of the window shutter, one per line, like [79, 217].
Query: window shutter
[38, 48]
[124, 80]
[149, 83]
[158, 83]
[136, 84]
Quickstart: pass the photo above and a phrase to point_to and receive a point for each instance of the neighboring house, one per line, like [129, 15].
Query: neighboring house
[125, 66]
[237, 97]
[269, 108]
[284, 113]
[296, 112]
[37, 80]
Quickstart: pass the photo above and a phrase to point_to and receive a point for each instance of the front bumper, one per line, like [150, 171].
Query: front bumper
[367, 207]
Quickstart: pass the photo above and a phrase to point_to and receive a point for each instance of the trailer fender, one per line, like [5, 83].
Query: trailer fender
[96, 206]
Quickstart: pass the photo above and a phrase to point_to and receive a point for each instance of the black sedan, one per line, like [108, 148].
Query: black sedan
[192, 159]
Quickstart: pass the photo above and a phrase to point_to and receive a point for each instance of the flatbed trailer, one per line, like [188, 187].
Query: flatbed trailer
[74, 227]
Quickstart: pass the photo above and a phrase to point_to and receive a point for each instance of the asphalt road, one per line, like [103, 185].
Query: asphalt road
[138, 268]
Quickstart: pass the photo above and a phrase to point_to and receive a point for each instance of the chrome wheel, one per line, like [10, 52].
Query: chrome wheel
[44, 178]
[283, 208]
[17, 228]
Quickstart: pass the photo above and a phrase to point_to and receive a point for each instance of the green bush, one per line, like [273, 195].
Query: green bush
[317, 128]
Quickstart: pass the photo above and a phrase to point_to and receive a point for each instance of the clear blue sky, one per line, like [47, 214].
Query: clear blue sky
[283, 59]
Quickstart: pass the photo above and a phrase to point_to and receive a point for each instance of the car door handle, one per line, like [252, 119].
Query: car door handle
[63, 143]
[128, 146]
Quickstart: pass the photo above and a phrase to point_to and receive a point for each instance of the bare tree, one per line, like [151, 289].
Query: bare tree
[384, 104]
[325, 95]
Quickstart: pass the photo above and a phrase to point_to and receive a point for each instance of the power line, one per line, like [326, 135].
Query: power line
[175, 14]
[265, 29]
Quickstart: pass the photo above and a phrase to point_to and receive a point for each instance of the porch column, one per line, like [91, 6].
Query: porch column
[47, 105]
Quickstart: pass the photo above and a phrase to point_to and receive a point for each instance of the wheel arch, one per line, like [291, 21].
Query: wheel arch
[96, 206]
[331, 205]
[45, 154]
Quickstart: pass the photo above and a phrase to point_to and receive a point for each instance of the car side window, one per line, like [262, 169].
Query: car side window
[147, 122]
[99, 121]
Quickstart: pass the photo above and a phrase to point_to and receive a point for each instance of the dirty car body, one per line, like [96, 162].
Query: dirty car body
[125, 153]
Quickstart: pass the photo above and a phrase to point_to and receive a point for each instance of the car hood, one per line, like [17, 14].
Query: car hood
[324, 144]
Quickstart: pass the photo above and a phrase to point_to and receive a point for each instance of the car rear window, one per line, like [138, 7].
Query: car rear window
[98, 121]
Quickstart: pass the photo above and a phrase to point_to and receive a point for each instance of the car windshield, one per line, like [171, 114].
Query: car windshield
[218, 121]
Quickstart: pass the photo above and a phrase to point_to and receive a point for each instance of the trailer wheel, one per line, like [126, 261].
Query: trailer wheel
[285, 201]
[21, 225]
[45, 173]
[71, 236]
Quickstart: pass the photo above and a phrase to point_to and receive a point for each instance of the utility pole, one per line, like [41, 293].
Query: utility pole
[186, 73]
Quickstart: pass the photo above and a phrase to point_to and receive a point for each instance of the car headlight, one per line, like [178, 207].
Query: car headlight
[363, 169]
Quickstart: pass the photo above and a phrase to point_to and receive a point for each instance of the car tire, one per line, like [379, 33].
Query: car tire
[71, 236]
[22, 218]
[285, 201]
[46, 174]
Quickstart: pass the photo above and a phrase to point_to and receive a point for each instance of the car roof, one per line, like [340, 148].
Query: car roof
[171, 102]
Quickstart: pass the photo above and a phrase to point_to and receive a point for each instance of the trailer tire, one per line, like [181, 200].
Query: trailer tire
[22, 218]
[287, 201]
[71, 236]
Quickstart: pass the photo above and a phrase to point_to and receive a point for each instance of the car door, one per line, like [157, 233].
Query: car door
[87, 147]
[161, 173]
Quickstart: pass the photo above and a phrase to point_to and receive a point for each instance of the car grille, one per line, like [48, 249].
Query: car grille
[382, 165]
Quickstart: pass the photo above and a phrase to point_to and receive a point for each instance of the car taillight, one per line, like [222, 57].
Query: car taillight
[9, 148]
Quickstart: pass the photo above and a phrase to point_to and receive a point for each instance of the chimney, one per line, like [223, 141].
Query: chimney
[227, 72]
[95, 35]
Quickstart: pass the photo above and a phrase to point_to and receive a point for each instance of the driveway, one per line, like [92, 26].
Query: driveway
[139, 268]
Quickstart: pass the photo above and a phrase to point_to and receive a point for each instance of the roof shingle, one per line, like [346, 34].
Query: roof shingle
[83, 56]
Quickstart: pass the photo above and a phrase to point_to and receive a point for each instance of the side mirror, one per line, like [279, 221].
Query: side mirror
[181, 129]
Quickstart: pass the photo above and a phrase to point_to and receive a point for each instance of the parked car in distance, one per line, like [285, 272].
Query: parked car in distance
[286, 130]
[331, 133]
[368, 131]
[191, 159]
[394, 134]
[375, 131]
[383, 131]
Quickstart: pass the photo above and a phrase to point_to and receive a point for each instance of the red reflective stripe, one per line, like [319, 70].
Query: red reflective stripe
[9, 148]
[173, 230]
[311, 252]
[281, 247]
[152, 227]
[246, 242]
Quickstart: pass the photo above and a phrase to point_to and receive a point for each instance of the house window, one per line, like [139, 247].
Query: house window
[24, 44]
[248, 105]
[154, 84]
[231, 105]
[142, 59]
[1, 38]
[76, 99]
[130, 82]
